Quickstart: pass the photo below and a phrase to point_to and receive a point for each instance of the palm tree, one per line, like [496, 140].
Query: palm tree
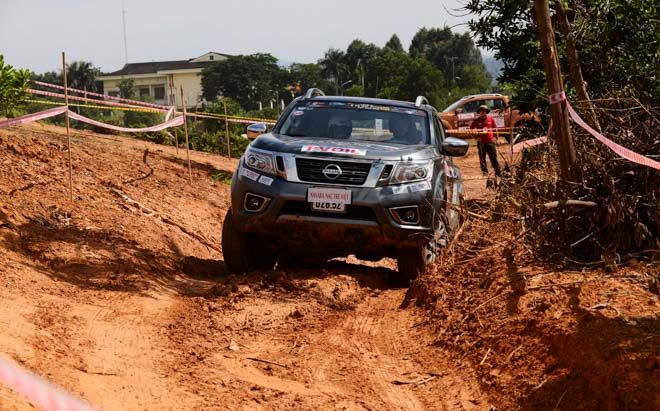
[82, 75]
[333, 66]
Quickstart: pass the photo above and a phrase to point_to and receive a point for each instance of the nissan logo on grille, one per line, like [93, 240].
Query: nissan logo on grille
[331, 171]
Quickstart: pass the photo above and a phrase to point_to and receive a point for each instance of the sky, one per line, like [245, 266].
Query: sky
[33, 33]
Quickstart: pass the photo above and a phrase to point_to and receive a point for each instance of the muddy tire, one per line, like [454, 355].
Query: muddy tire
[244, 252]
[234, 247]
[413, 261]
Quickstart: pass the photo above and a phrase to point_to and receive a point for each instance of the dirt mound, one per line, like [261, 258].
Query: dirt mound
[542, 339]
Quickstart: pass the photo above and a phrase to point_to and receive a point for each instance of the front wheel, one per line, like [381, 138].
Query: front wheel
[413, 261]
[244, 252]
[234, 245]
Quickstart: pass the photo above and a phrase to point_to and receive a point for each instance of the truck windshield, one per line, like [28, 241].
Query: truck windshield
[357, 122]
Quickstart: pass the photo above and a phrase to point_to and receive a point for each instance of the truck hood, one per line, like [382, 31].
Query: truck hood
[322, 147]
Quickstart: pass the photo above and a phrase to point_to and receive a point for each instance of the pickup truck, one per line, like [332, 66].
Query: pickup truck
[457, 118]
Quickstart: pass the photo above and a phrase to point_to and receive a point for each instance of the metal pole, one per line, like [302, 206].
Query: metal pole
[68, 130]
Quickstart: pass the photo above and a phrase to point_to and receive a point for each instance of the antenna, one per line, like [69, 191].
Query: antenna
[123, 22]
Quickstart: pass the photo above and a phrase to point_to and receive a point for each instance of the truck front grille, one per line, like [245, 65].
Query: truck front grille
[352, 173]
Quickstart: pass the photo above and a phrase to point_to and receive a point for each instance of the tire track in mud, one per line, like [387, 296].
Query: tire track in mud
[318, 356]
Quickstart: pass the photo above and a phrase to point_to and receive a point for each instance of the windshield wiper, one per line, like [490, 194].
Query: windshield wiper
[296, 135]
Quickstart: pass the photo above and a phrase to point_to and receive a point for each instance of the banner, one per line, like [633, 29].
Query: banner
[33, 117]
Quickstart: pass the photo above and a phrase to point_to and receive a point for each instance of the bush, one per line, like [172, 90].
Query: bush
[13, 84]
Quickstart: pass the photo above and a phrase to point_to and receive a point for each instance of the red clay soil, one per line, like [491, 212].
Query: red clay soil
[542, 339]
[120, 297]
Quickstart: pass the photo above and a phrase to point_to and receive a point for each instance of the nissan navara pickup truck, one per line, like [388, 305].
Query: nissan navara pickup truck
[345, 175]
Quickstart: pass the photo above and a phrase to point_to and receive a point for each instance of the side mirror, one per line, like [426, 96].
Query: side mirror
[255, 130]
[454, 147]
[459, 110]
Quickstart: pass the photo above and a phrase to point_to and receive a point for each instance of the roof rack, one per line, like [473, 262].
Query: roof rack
[314, 92]
[421, 100]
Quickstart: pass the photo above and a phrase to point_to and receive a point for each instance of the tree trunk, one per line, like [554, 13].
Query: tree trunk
[574, 64]
[559, 111]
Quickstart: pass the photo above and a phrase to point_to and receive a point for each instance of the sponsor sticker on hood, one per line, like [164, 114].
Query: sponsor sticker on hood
[334, 150]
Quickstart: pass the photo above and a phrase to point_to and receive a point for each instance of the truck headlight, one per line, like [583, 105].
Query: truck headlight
[259, 160]
[409, 171]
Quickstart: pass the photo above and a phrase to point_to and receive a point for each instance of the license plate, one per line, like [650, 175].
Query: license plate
[330, 207]
[332, 200]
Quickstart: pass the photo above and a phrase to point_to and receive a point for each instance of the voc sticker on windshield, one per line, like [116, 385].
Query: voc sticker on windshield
[334, 150]
[298, 113]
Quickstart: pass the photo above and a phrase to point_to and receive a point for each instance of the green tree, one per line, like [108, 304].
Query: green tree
[126, 88]
[82, 75]
[333, 66]
[52, 77]
[394, 44]
[451, 53]
[618, 43]
[247, 79]
[306, 76]
[13, 86]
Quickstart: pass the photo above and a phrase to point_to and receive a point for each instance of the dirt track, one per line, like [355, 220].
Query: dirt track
[132, 310]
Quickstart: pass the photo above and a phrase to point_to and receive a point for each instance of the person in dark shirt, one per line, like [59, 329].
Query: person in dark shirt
[486, 142]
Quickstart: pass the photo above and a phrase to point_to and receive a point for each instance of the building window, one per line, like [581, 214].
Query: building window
[159, 92]
[211, 57]
[144, 91]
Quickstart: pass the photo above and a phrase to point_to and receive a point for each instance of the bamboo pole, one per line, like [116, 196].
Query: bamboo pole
[567, 157]
[185, 131]
[68, 129]
[224, 100]
[574, 64]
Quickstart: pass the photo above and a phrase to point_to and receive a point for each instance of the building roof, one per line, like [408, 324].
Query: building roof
[154, 67]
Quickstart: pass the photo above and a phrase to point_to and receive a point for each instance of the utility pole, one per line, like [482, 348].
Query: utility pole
[567, 158]
[123, 23]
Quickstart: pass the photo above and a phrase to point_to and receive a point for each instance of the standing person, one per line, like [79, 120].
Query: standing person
[486, 142]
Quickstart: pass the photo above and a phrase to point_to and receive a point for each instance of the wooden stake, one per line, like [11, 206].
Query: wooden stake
[185, 131]
[576, 71]
[68, 130]
[224, 101]
[172, 96]
[559, 112]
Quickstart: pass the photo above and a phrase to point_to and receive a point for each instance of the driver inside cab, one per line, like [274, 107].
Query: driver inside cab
[404, 131]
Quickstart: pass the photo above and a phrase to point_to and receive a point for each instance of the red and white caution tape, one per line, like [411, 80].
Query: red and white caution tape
[622, 151]
[557, 97]
[89, 93]
[529, 143]
[40, 392]
[106, 103]
[170, 123]
[28, 118]
[61, 110]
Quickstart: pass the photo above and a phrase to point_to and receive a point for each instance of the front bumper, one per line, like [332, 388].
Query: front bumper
[367, 223]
